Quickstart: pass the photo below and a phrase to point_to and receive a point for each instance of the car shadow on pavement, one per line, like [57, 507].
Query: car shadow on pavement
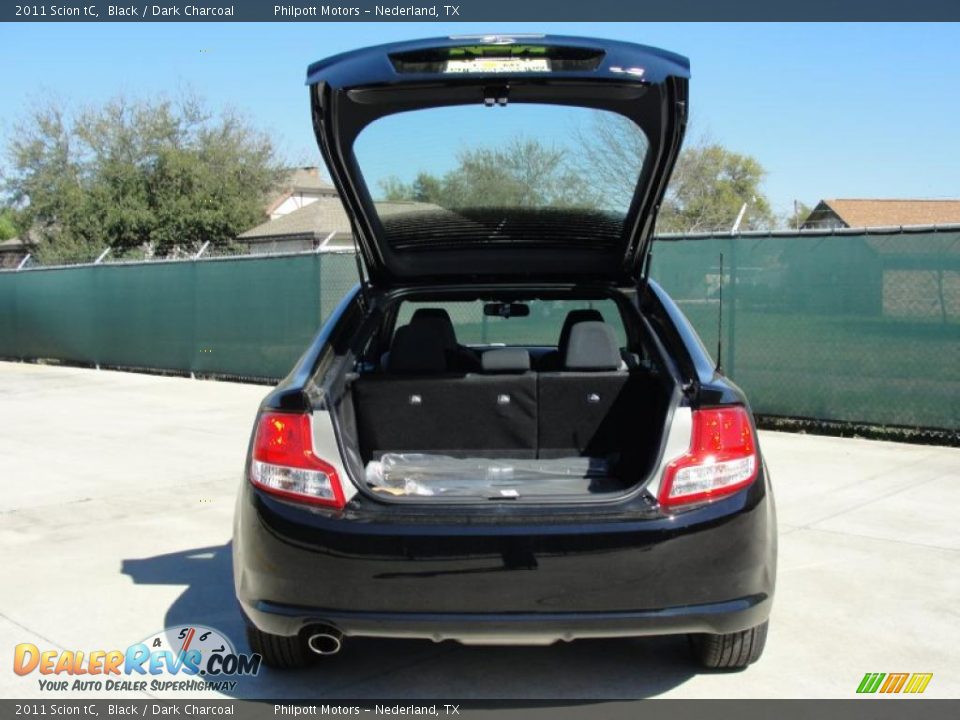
[376, 669]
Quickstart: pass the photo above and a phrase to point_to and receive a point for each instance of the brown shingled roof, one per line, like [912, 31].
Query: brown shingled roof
[883, 213]
[320, 218]
[325, 215]
[299, 180]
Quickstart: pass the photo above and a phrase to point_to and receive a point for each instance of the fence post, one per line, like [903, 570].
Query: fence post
[193, 274]
[319, 281]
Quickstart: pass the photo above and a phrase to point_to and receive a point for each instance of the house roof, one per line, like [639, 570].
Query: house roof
[323, 216]
[857, 213]
[299, 180]
[307, 179]
[14, 245]
[320, 218]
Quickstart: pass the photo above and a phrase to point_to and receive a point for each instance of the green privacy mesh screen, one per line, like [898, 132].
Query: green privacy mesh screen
[852, 327]
[243, 317]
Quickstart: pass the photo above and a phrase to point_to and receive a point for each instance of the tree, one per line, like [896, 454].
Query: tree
[8, 224]
[599, 170]
[708, 186]
[149, 176]
[522, 173]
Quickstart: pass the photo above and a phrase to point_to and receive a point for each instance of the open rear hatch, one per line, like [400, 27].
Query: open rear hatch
[497, 159]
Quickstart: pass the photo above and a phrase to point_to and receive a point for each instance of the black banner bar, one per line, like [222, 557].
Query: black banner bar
[479, 11]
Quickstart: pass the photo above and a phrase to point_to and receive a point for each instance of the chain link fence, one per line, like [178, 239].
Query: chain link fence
[29, 257]
[850, 326]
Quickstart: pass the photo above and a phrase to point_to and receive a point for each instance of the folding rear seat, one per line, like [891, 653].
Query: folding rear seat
[502, 404]
[588, 407]
[417, 406]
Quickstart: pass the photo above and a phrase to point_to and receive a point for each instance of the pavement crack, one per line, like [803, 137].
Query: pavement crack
[31, 631]
[912, 543]
[869, 501]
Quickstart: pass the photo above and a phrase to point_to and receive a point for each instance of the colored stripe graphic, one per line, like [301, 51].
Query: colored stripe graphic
[894, 682]
[918, 683]
[870, 682]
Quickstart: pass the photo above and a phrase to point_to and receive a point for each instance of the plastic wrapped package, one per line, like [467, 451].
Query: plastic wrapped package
[424, 475]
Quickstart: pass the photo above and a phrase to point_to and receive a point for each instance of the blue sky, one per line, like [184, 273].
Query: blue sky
[830, 110]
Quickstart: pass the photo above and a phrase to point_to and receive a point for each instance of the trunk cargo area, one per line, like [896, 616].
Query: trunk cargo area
[505, 436]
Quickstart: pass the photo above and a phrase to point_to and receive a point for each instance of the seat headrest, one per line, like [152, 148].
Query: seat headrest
[504, 360]
[438, 321]
[416, 349]
[592, 346]
[574, 317]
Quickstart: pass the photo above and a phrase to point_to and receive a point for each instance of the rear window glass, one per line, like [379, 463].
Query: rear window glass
[541, 327]
[525, 174]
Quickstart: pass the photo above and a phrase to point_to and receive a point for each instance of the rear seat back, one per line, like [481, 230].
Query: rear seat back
[417, 406]
[592, 407]
[586, 408]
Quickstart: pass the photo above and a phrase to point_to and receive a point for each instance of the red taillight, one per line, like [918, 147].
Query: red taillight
[283, 462]
[722, 458]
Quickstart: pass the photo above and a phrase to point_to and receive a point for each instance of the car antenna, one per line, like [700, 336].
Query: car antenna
[719, 367]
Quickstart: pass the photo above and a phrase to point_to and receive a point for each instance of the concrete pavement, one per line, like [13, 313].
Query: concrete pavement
[116, 500]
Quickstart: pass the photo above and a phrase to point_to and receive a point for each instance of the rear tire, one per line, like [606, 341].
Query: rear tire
[730, 651]
[280, 651]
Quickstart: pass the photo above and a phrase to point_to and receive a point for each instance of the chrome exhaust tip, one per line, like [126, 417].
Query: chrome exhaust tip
[325, 641]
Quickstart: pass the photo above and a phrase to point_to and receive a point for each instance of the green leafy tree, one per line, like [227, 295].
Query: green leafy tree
[142, 177]
[599, 170]
[522, 173]
[8, 224]
[708, 186]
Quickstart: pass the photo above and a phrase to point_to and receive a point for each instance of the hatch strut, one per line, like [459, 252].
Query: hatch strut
[645, 276]
[360, 274]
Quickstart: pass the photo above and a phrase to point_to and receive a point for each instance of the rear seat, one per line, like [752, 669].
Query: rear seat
[437, 320]
[585, 408]
[417, 405]
[553, 360]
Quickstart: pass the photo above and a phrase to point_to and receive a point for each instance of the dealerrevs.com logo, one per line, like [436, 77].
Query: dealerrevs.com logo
[189, 658]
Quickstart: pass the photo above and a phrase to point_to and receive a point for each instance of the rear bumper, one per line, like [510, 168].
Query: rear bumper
[520, 628]
[505, 577]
